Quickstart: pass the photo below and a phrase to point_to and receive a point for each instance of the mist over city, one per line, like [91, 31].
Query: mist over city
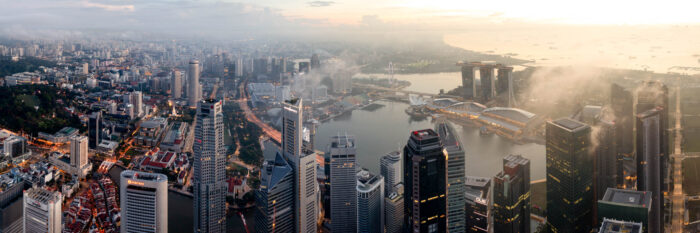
[387, 116]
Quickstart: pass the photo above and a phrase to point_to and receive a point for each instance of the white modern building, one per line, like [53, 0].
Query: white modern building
[390, 169]
[42, 211]
[144, 202]
[193, 89]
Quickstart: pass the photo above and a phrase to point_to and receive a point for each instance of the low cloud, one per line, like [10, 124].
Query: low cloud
[321, 3]
[108, 7]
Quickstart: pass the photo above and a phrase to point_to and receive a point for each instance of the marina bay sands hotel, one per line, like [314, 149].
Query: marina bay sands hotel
[490, 85]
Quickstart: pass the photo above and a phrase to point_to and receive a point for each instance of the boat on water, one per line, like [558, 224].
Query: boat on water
[484, 131]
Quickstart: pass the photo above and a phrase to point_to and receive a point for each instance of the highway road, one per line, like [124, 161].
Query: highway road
[250, 116]
[678, 198]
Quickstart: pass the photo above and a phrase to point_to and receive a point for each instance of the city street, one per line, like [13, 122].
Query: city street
[678, 197]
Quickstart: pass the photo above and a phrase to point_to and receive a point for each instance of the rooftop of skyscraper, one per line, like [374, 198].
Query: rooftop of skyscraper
[628, 197]
[569, 124]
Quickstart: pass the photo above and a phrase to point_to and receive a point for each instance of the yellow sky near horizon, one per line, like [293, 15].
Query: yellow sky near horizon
[595, 12]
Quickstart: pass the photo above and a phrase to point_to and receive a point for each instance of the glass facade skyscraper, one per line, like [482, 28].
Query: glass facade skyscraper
[511, 196]
[425, 183]
[569, 176]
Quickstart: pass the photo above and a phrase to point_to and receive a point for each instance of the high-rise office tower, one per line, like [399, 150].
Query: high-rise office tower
[275, 199]
[176, 85]
[209, 178]
[390, 169]
[393, 210]
[478, 204]
[606, 161]
[315, 61]
[78, 151]
[511, 196]
[627, 205]
[86, 68]
[193, 95]
[622, 104]
[95, 129]
[569, 176]
[425, 182]
[649, 163]
[42, 211]
[239, 67]
[12, 208]
[654, 95]
[455, 176]
[292, 128]
[304, 166]
[144, 202]
[370, 202]
[343, 192]
[137, 101]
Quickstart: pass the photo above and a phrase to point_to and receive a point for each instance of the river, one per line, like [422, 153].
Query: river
[387, 128]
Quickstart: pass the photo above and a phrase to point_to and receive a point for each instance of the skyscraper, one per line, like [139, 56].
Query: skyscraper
[95, 129]
[622, 103]
[393, 210]
[468, 80]
[315, 62]
[649, 164]
[209, 178]
[304, 166]
[239, 67]
[144, 202]
[136, 99]
[292, 128]
[12, 208]
[370, 204]
[78, 151]
[176, 85]
[390, 169]
[478, 204]
[455, 176]
[425, 182]
[488, 82]
[193, 94]
[606, 160]
[275, 199]
[42, 211]
[654, 95]
[569, 176]
[343, 173]
[511, 196]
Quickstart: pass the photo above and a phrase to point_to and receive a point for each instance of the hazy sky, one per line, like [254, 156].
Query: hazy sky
[249, 16]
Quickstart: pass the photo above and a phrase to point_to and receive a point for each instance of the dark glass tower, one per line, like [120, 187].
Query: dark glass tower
[425, 178]
[569, 176]
[622, 103]
[511, 196]
[95, 129]
[649, 163]
[654, 95]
